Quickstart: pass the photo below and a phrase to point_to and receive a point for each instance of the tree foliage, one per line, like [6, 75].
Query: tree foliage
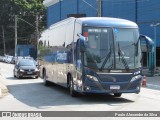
[26, 11]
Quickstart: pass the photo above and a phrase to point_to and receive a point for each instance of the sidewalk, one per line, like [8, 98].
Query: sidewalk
[154, 81]
[3, 88]
[146, 72]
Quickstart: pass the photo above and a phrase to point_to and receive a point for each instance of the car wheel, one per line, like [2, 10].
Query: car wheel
[18, 76]
[117, 94]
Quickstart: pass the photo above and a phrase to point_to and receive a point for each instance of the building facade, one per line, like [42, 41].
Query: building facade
[146, 13]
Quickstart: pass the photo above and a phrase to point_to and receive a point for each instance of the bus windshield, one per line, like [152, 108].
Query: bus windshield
[112, 48]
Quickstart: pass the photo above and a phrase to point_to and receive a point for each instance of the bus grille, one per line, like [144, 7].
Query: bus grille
[115, 77]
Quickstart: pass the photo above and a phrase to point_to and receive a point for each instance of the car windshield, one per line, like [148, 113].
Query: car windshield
[112, 48]
[26, 62]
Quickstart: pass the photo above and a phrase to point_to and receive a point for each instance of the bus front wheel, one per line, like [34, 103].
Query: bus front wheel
[117, 94]
[73, 93]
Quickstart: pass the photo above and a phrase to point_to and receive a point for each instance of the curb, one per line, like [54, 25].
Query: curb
[3, 88]
[152, 86]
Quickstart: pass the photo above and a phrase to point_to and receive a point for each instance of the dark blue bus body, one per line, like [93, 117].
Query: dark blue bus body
[108, 63]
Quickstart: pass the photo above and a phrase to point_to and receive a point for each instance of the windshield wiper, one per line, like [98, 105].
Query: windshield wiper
[122, 58]
[110, 67]
[106, 59]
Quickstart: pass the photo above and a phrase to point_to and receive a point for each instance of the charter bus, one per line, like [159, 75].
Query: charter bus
[93, 55]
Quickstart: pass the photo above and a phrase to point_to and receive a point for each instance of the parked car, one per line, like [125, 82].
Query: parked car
[9, 59]
[13, 61]
[1, 58]
[25, 68]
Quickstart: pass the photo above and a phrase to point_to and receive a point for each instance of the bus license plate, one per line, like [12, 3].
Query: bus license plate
[114, 87]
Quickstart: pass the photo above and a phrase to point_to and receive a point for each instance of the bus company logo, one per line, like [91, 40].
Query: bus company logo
[116, 71]
[61, 56]
[6, 114]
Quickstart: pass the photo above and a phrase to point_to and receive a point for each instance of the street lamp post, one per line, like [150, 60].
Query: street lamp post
[15, 35]
[155, 38]
[37, 34]
[99, 8]
[4, 45]
[60, 11]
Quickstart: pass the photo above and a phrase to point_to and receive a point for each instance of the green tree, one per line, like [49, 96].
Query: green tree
[26, 11]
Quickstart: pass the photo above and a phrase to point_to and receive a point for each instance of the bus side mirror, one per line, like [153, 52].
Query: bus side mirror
[82, 42]
[146, 43]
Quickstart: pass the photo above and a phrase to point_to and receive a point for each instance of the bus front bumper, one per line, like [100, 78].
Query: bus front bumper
[109, 87]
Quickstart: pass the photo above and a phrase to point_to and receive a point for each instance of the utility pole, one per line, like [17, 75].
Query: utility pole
[136, 11]
[60, 7]
[77, 6]
[4, 45]
[99, 8]
[15, 27]
[37, 33]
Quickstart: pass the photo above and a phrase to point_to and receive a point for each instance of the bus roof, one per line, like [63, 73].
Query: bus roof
[107, 22]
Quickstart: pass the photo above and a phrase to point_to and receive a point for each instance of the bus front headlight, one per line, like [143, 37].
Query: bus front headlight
[92, 77]
[136, 78]
[21, 70]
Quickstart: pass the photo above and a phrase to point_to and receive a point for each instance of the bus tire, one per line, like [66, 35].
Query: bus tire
[72, 92]
[46, 82]
[117, 94]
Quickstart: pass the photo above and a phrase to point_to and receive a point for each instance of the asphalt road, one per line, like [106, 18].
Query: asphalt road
[31, 95]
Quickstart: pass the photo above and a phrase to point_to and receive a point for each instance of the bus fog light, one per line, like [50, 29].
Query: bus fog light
[75, 87]
[87, 88]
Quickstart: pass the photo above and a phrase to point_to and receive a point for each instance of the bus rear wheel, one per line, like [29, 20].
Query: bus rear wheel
[117, 94]
[46, 82]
